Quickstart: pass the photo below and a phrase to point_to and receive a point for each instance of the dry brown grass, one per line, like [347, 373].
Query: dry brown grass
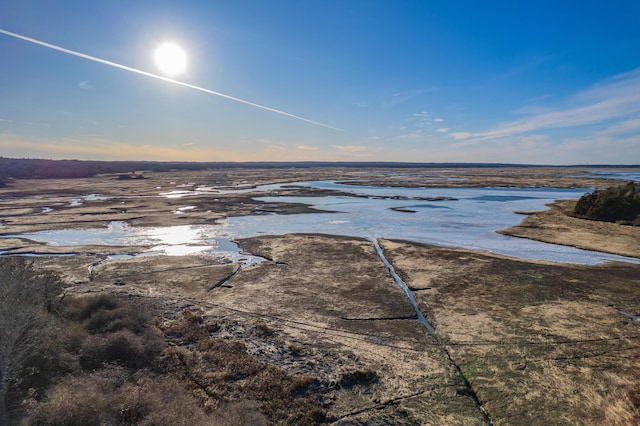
[220, 372]
[538, 343]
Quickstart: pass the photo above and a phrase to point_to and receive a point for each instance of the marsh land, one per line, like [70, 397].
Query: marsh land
[514, 340]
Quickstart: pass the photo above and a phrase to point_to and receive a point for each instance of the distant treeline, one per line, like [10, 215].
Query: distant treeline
[26, 168]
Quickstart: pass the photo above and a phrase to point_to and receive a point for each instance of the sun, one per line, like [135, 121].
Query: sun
[170, 58]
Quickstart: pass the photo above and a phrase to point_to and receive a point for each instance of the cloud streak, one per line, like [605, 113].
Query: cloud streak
[615, 98]
[159, 77]
[350, 148]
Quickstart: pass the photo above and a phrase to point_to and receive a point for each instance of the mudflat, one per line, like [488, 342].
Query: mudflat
[516, 341]
[557, 226]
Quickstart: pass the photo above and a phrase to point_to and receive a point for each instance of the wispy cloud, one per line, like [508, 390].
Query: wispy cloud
[616, 98]
[408, 136]
[443, 130]
[108, 150]
[540, 98]
[622, 128]
[307, 148]
[461, 135]
[84, 85]
[402, 97]
[422, 118]
[350, 148]
[438, 120]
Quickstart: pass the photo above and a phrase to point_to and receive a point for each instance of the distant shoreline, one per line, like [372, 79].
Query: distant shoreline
[32, 168]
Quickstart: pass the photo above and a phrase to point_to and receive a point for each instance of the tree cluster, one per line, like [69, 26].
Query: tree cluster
[620, 204]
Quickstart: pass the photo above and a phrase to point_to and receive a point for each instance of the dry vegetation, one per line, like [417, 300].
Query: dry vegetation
[319, 333]
[620, 204]
[109, 361]
[540, 343]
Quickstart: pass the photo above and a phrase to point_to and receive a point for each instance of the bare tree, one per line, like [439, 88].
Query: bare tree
[26, 300]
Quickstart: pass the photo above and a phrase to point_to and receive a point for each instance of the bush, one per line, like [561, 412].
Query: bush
[27, 300]
[107, 313]
[615, 204]
[110, 396]
[121, 347]
[189, 329]
[363, 376]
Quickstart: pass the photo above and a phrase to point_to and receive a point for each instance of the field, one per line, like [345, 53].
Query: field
[516, 341]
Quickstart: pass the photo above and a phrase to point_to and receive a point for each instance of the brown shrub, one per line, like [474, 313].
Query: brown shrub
[81, 308]
[362, 376]
[121, 347]
[107, 313]
[28, 298]
[264, 329]
[111, 397]
[191, 328]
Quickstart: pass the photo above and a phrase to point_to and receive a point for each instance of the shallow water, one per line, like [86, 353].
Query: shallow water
[609, 174]
[468, 219]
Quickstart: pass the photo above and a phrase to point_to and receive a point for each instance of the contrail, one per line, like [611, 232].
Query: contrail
[159, 77]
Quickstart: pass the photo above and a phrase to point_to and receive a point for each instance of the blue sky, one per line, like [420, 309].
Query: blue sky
[544, 82]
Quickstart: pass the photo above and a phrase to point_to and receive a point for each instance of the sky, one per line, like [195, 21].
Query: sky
[544, 82]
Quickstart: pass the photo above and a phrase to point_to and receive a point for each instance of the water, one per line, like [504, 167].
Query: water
[468, 219]
[610, 174]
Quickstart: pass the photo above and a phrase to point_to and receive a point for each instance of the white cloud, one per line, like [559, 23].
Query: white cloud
[84, 85]
[461, 135]
[443, 130]
[350, 148]
[623, 127]
[615, 98]
[539, 149]
[307, 148]
[438, 120]
[413, 135]
[422, 118]
[422, 114]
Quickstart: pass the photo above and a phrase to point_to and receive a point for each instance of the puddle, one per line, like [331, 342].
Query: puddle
[181, 210]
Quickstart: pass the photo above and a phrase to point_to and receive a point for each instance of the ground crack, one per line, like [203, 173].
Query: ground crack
[410, 317]
[468, 389]
[225, 279]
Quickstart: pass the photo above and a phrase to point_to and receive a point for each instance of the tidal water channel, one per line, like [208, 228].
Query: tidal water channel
[452, 217]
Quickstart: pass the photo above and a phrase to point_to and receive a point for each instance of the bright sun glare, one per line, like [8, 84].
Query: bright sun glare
[170, 58]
